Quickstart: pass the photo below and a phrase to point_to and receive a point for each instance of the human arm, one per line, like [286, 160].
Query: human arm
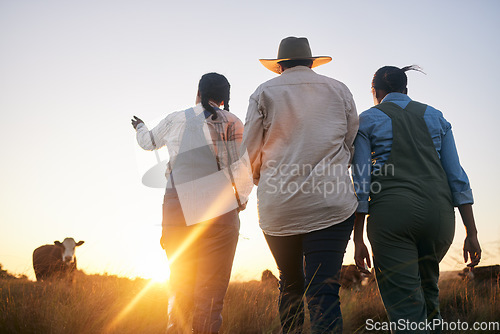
[239, 163]
[361, 167]
[352, 124]
[472, 249]
[462, 196]
[234, 138]
[253, 136]
[154, 139]
[457, 178]
[361, 174]
[361, 254]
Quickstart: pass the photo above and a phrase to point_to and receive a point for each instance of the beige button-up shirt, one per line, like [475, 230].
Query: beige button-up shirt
[299, 133]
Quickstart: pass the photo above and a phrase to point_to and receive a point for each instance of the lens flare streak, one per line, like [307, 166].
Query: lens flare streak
[196, 233]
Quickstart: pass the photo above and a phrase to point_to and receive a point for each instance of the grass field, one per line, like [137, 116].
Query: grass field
[110, 304]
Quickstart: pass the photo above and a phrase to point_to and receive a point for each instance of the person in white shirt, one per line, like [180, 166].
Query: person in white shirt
[208, 184]
[299, 133]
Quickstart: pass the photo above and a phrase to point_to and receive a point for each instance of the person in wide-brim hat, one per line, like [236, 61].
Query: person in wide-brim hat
[303, 121]
[294, 48]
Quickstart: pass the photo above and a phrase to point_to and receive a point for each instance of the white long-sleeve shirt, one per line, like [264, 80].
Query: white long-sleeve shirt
[223, 136]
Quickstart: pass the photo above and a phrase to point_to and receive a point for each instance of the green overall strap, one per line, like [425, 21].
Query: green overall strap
[195, 158]
[413, 163]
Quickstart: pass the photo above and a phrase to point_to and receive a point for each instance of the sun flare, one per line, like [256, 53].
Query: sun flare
[159, 274]
[155, 269]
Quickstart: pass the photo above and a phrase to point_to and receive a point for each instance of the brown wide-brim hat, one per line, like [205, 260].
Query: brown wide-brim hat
[293, 48]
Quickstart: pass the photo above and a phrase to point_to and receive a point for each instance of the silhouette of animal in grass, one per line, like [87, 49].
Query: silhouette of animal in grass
[268, 279]
[352, 278]
[482, 274]
[55, 260]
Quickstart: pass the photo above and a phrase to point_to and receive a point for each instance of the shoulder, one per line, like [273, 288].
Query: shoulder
[433, 112]
[436, 116]
[334, 87]
[372, 113]
[301, 77]
[229, 117]
[266, 85]
[334, 82]
[370, 118]
[177, 116]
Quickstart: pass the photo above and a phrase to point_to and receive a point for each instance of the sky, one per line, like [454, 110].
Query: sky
[72, 74]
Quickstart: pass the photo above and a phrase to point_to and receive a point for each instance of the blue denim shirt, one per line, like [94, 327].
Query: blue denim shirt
[373, 147]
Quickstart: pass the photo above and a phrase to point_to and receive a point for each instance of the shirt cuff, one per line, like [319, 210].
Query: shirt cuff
[463, 197]
[140, 125]
[362, 207]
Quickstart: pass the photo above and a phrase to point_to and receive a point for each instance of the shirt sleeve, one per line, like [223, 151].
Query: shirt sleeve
[352, 125]
[253, 137]
[234, 137]
[361, 168]
[457, 178]
[154, 139]
[240, 165]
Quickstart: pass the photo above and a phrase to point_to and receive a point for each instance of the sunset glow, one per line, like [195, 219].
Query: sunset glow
[74, 73]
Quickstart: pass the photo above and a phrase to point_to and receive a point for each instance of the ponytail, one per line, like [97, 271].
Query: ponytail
[393, 79]
[208, 107]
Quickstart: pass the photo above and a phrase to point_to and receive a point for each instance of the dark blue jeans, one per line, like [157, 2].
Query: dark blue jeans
[310, 264]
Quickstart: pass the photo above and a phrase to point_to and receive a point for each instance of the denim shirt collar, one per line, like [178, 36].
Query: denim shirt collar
[391, 97]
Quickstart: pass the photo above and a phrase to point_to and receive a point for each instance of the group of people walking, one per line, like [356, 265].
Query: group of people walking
[319, 170]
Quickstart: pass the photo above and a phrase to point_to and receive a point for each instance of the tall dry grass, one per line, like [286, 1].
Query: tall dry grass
[105, 304]
[470, 302]
[88, 305]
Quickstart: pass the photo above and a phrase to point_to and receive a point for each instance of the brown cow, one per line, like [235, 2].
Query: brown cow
[351, 277]
[481, 274]
[268, 279]
[57, 259]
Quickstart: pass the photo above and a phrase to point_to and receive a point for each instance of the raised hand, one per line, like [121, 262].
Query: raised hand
[136, 121]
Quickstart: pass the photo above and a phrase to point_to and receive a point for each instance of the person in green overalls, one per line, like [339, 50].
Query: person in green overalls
[408, 179]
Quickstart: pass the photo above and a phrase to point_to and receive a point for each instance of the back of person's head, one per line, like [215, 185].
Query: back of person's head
[285, 64]
[392, 79]
[214, 86]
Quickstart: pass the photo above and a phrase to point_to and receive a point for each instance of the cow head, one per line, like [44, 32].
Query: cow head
[68, 249]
